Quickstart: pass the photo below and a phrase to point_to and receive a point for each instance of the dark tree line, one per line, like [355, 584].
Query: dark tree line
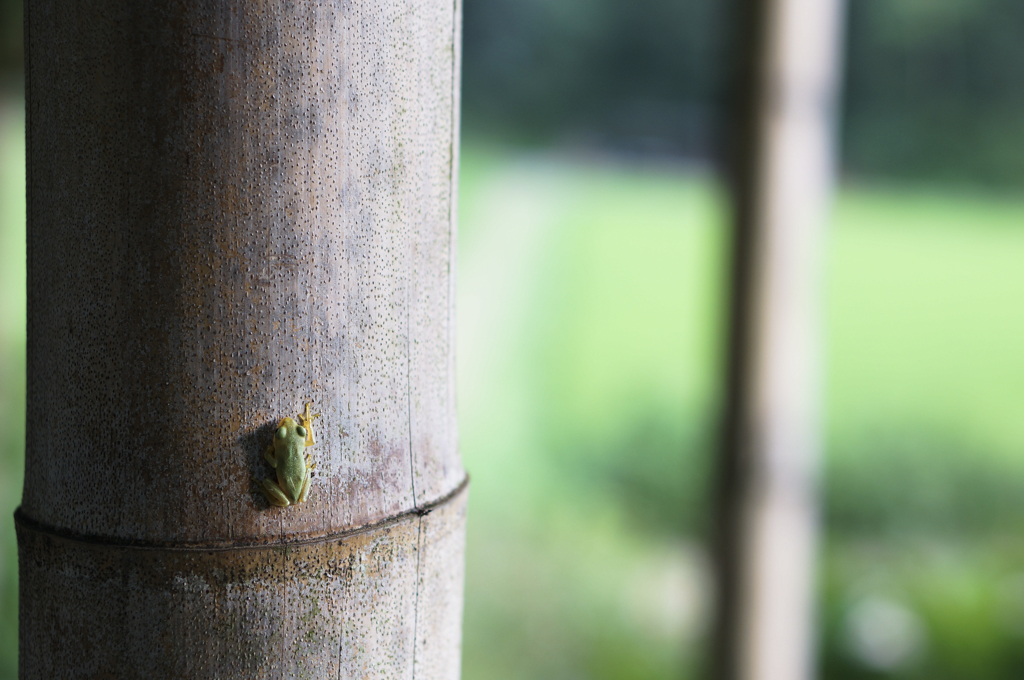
[11, 44]
[934, 89]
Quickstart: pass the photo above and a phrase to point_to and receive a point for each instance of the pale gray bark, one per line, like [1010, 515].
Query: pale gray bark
[768, 504]
[237, 207]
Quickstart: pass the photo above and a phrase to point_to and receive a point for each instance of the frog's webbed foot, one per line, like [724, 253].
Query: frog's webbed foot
[273, 493]
[307, 422]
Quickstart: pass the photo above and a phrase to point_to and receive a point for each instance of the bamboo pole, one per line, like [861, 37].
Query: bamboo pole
[767, 484]
[235, 208]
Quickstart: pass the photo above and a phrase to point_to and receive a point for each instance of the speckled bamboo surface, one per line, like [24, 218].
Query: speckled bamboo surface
[236, 208]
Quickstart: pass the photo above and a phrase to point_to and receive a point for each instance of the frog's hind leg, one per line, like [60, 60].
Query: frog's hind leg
[304, 492]
[305, 489]
[274, 493]
[305, 482]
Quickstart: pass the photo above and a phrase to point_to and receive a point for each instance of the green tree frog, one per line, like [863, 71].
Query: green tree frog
[287, 454]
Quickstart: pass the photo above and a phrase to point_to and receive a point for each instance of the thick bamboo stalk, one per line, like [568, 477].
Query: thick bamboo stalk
[236, 208]
[767, 496]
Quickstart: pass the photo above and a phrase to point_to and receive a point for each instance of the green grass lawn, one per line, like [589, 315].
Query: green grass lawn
[925, 321]
[590, 322]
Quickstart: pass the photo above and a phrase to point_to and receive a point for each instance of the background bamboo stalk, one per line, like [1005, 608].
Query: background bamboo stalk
[767, 495]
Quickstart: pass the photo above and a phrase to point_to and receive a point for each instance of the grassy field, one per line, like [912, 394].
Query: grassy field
[590, 322]
[589, 332]
[925, 320]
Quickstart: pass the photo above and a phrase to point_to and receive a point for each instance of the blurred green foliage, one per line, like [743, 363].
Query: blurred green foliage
[964, 596]
[590, 298]
[934, 89]
[11, 43]
[585, 328]
[646, 75]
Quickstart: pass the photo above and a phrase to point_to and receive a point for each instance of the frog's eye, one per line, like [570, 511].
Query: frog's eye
[282, 432]
[301, 431]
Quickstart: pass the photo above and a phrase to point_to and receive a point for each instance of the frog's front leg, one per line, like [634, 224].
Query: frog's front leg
[271, 456]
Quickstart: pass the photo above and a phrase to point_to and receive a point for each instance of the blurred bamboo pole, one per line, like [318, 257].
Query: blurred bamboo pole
[767, 499]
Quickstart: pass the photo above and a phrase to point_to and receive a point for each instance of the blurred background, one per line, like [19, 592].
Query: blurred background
[593, 236]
